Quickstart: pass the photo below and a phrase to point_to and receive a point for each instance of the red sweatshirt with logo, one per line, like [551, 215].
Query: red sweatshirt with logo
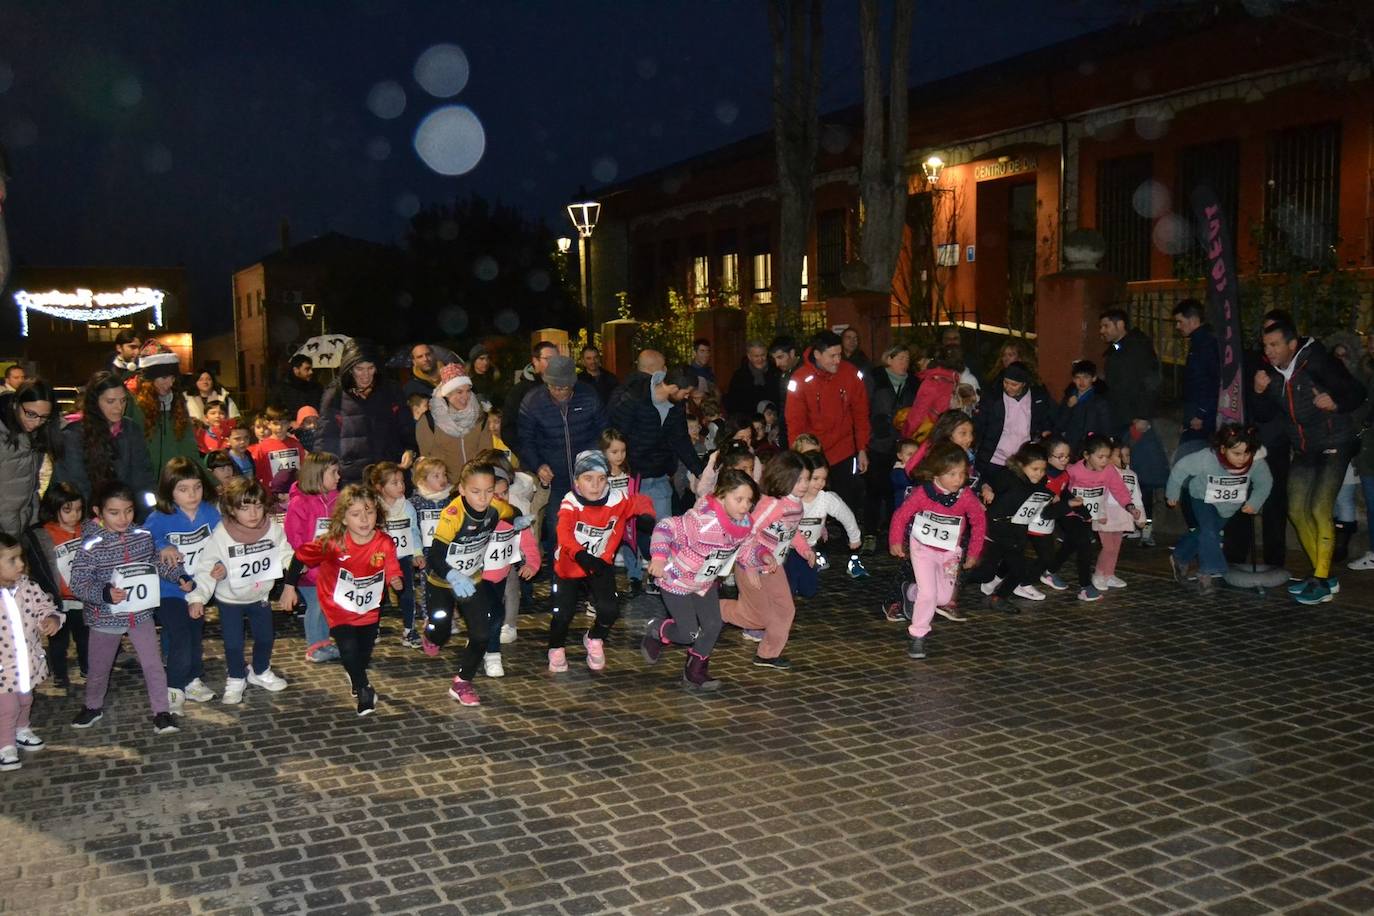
[361, 562]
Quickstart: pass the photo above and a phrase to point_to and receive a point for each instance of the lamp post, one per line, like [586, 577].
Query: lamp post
[584, 216]
[308, 310]
[932, 168]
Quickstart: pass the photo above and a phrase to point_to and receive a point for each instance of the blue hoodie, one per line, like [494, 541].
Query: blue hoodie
[167, 529]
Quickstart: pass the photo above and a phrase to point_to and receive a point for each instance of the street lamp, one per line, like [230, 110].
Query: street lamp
[932, 167]
[308, 310]
[564, 243]
[584, 216]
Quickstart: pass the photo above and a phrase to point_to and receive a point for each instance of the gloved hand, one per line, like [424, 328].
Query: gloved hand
[463, 586]
[521, 522]
[591, 564]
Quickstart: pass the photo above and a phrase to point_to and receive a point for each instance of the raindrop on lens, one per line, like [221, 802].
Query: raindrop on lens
[485, 268]
[834, 139]
[442, 70]
[450, 140]
[378, 148]
[127, 92]
[605, 169]
[726, 111]
[157, 160]
[453, 320]
[506, 321]
[386, 100]
[407, 205]
[1151, 199]
[537, 281]
[1172, 234]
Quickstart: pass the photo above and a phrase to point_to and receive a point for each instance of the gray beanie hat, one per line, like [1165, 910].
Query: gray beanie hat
[591, 460]
[560, 372]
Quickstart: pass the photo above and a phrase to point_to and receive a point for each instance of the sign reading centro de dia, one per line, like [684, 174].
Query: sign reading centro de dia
[988, 170]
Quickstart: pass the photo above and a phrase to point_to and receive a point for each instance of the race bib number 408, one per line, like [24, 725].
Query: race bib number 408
[358, 596]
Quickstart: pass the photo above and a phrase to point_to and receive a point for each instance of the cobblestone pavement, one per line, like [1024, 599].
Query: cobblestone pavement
[1147, 754]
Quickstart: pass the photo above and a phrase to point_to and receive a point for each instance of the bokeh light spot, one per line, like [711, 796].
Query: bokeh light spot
[378, 148]
[450, 140]
[386, 100]
[726, 111]
[1151, 199]
[506, 321]
[442, 70]
[605, 169]
[453, 320]
[485, 268]
[157, 159]
[407, 205]
[127, 91]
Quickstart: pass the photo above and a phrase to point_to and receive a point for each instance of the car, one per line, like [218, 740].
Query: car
[67, 399]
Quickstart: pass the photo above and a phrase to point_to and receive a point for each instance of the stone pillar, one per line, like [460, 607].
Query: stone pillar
[617, 346]
[556, 336]
[1067, 307]
[868, 313]
[726, 329]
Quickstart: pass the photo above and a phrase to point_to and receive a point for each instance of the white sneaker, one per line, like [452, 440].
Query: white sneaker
[197, 692]
[267, 680]
[1100, 583]
[1114, 582]
[233, 691]
[491, 665]
[987, 588]
[1029, 592]
[508, 634]
[176, 699]
[591, 609]
[9, 758]
[1364, 562]
[28, 741]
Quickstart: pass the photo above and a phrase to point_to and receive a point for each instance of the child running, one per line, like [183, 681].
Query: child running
[181, 526]
[356, 561]
[313, 497]
[432, 493]
[818, 505]
[115, 575]
[1041, 529]
[765, 601]
[402, 522]
[53, 544]
[690, 553]
[239, 566]
[1089, 481]
[623, 480]
[1116, 522]
[27, 614]
[938, 509]
[1021, 500]
[508, 548]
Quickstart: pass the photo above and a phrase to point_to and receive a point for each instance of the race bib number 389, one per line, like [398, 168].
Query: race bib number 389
[1226, 489]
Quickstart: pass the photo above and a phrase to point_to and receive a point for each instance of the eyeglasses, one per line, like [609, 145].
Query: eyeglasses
[36, 417]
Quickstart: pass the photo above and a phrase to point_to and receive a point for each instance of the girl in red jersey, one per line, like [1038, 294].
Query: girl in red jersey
[356, 561]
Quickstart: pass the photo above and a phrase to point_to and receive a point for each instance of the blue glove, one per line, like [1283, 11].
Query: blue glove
[463, 586]
[521, 522]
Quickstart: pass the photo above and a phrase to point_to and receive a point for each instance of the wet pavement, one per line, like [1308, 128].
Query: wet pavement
[1146, 754]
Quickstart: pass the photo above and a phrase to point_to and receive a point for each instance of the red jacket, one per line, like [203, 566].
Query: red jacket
[362, 562]
[275, 464]
[833, 407]
[597, 529]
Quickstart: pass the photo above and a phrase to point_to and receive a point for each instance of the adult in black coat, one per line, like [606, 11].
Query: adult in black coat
[298, 389]
[1084, 409]
[1201, 375]
[1016, 385]
[531, 378]
[892, 387]
[755, 380]
[1131, 368]
[653, 418]
[364, 418]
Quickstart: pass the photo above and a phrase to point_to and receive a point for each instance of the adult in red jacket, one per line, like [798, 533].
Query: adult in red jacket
[826, 398]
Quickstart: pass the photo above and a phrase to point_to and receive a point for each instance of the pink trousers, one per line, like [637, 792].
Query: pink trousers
[936, 572]
[1111, 549]
[765, 603]
[14, 715]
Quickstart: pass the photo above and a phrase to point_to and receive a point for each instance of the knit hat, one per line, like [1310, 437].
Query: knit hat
[560, 372]
[159, 365]
[477, 351]
[591, 460]
[451, 378]
[1017, 372]
[306, 411]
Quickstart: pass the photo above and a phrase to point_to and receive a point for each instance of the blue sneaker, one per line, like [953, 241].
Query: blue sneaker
[1089, 594]
[1298, 586]
[753, 635]
[856, 568]
[1315, 593]
[1333, 584]
[1051, 580]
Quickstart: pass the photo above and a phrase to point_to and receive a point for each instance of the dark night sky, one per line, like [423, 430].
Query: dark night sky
[176, 132]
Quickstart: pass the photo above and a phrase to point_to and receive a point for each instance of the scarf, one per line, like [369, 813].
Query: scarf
[940, 496]
[455, 423]
[1238, 468]
[434, 496]
[245, 535]
[432, 379]
[898, 380]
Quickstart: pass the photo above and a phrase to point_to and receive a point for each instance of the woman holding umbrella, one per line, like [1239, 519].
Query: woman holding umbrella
[364, 418]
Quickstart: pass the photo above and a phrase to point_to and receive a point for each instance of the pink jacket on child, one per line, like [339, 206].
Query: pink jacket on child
[33, 606]
[1083, 477]
[921, 500]
[777, 521]
[303, 513]
[686, 542]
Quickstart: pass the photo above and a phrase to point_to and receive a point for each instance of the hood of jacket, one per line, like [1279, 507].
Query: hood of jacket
[358, 351]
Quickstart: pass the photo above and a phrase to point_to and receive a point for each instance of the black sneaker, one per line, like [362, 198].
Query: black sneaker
[651, 587]
[164, 723]
[367, 701]
[917, 649]
[87, 717]
[636, 588]
[779, 663]
[1178, 569]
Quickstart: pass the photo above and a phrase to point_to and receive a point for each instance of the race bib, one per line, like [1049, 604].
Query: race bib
[1094, 501]
[259, 561]
[503, 550]
[358, 596]
[591, 538]
[465, 557]
[66, 553]
[1224, 490]
[190, 544]
[936, 530]
[620, 482]
[284, 459]
[1041, 525]
[718, 563]
[139, 581]
[783, 535]
[399, 529]
[811, 529]
[321, 526]
[1030, 509]
[429, 523]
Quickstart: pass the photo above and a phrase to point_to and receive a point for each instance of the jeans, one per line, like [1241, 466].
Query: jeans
[181, 637]
[316, 627]
[1204, 541]
[1313, 481]
[660, 490]
[1344, 510]
[232, 618]
[634, 567]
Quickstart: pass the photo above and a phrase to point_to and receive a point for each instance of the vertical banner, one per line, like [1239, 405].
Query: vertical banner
[1223, 299]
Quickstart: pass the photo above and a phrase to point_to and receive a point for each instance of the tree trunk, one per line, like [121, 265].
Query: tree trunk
[795, 27]
[882, 175]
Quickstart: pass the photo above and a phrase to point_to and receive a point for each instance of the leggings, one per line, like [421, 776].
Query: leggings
[600, 585]
[355, 650]
[1078, 540]
[405, 598]
[1313, 482]
[477, 610]
[73, 631]
[14, 715]
[1111, 550]
[104, 644]
[694, 620]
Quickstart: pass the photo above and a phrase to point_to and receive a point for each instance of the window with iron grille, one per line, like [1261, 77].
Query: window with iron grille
[1126, 231]
[701, 281]
[1301, 192]
[1213, 165]
[761, 265]
[830, 251]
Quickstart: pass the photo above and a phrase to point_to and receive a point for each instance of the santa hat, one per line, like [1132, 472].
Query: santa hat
[451, 378]
[159, 365]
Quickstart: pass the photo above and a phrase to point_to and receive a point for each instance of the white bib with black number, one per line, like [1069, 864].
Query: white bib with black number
[190, 544]
[718, 563]
[139, 581]
[321, 526]
[591, 538]
[1226, 489]
[429, 523]
[1030, 509]
[358, 596]
[783, 535]
[503, 550]
[936, 530]
[259, 561]
[620, 482]
[465, 557]
[284, 459]
[399, 529]
[811, 529]
[66, 553]
[1094, 501]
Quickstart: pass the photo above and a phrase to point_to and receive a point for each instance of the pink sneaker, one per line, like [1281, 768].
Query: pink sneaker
[558, 661]
[463, 692]
[428, 647]
[596, 653]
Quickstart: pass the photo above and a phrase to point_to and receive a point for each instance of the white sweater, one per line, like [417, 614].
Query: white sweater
[251, 571]
[827, 505]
